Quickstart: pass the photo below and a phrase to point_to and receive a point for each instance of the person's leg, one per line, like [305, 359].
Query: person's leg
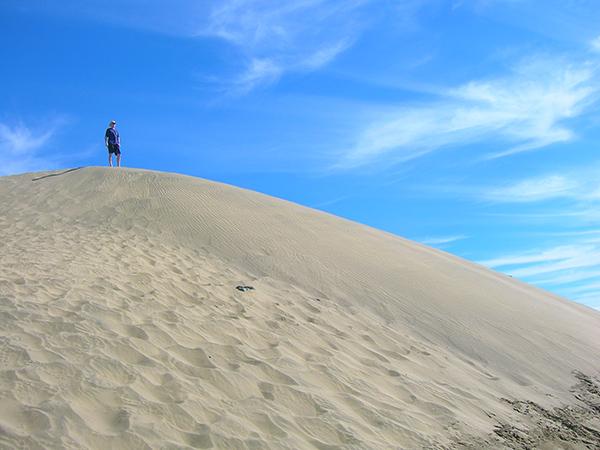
[119, 159]
[109, 159]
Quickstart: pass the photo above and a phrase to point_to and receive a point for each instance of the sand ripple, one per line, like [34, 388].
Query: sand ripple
[116, 333]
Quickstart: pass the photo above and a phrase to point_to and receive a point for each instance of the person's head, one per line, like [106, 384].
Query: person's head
[113, 123]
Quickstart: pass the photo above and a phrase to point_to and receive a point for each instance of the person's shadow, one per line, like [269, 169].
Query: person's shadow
[56, 174]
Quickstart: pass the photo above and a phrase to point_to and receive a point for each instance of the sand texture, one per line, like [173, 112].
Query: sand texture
[121, 328]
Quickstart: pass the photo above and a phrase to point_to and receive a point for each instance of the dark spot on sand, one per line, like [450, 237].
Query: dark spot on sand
[244, 288]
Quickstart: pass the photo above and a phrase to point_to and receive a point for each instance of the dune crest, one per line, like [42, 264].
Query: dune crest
[121, 325]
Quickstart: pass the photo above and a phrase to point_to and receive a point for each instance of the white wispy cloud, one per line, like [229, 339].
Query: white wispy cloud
[259, 72]
[589, 257]
[273, 36]
[525, 110]
[595, 44]
[276, 37]
[572, 233]
[553, 254]
[572, 270]
[440, 240]
[19, 140]
[591, 299]
[581, 185]
[569, 276]
[585, 289]
[532, 190]
[560, 20]
[21, 147]
[326, 54]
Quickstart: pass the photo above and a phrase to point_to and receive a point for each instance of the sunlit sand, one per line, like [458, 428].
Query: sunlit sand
[121, 325]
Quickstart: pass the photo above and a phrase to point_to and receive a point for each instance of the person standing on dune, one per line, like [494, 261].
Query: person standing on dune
[113, 143]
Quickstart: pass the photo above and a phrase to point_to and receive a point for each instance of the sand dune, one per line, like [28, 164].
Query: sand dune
[121, 325]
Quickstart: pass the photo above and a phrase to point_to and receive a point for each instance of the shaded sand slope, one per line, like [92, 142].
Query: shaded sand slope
[120, 324]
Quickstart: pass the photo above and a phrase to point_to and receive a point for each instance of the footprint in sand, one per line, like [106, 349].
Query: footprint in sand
[21, 419]
[101, 418]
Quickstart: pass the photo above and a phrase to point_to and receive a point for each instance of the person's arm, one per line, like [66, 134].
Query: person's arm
[106, 139]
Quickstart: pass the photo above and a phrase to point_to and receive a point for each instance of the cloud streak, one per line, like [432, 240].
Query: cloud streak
[550, 255]
[534, 190]
[20, 140]
[525, 110]
[578, 185]
[21, 146]
[572, 268]
[272, 37]
[277, 37]
[595, 44]
[441, 240]
[259, 72]
[561, 267]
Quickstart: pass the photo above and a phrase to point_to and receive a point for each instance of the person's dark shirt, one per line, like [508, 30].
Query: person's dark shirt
[113, 136]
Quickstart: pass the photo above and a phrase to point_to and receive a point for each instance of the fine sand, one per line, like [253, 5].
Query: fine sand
[121, 327]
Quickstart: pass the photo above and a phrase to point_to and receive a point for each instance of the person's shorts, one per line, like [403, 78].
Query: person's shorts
[114, 148]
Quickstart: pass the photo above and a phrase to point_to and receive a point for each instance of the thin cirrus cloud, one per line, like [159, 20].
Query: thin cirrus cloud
[441, 240]
[543, 256]
[580, 185]
[533, 190]
[585, 289]
[525, 110]
[277, 37]
[570, 277]
[258, 72]
[595, 44]
[273, 37]
[573, 270]
[21, 146]
[588, 257]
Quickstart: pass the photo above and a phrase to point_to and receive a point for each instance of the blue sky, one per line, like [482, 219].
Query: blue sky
[471, 126]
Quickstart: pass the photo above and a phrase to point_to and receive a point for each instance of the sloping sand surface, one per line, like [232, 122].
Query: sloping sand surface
[121, 325]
